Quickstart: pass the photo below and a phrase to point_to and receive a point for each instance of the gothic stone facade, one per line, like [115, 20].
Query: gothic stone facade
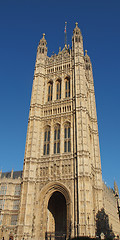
[61, 185]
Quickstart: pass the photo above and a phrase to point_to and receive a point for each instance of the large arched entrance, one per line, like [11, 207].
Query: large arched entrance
[56, 217]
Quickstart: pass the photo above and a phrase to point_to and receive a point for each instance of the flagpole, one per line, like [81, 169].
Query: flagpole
[65, 35]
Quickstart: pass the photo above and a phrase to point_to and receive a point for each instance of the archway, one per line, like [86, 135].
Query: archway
[51, 194]
[57, 216]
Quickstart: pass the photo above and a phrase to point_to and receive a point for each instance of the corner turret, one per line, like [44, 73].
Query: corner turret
[42, 47]
[77, 40]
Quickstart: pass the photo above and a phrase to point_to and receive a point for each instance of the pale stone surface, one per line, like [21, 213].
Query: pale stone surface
[61, 192]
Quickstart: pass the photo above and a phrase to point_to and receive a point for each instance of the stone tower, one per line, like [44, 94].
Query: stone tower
[62, 179]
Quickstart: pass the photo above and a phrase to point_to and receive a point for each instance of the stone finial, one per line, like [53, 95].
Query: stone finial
[12, 173]
[59, 49]
[43, 35]
[76, 24]
[85, 52]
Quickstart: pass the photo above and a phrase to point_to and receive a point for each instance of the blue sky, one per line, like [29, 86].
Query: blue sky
[22, 23]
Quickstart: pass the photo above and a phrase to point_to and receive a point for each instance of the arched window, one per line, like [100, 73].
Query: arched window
[67, 138]
[67, 87]
[47, 141]
[50, 91]
[58, 89]
[57, 139]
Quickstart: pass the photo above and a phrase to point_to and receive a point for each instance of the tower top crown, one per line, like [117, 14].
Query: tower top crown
[43, 41]
[76, 30]
[42, 48]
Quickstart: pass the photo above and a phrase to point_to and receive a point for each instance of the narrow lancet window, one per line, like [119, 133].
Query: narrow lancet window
[50, 91]
[57, 139]
[46, 150]
[58, 90]
[67, 87]
[67, 138]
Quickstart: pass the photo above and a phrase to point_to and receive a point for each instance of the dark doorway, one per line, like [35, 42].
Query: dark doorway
[57, 216]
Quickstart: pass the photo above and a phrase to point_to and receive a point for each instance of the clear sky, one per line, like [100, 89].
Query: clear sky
[22, 23]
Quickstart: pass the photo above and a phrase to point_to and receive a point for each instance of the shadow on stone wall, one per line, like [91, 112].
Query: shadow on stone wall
[102, 226]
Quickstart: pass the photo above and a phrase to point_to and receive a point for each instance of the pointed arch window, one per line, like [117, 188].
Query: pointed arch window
[67, 138]
[50, 91]
[58, 89]
[47, 141]
[67, 87]
[57, 139]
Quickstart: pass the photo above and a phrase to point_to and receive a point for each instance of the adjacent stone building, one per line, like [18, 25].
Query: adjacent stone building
[61, 188]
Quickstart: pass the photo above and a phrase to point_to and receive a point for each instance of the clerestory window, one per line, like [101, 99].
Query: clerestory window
[67, 138]
[67, 87]
[57, 139]
[46, 150]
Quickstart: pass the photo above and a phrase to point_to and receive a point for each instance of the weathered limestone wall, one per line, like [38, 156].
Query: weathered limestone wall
[111, 208]
[10, 189]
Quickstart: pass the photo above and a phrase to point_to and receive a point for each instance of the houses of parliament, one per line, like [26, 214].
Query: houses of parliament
[60, 190]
